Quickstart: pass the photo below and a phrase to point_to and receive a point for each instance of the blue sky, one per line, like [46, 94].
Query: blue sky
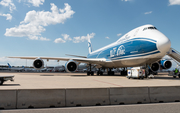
[57, 27]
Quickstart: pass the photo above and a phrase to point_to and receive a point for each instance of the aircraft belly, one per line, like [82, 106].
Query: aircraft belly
[133, 62]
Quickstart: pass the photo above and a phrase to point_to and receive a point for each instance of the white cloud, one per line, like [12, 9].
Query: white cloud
[5, 60]
[59, 40]
[83, 38]
[107, 37]
[36, 3]
[8, 16]
[174, 2]
[34, 22]
[148, 12]
[77, 39]
[66, 37]
[119, 34]
[38, 38]
[8, 3]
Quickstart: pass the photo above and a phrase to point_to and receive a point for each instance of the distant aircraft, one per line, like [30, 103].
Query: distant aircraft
[29, 69]
[15, 68]
[142, 46]
[58, 69]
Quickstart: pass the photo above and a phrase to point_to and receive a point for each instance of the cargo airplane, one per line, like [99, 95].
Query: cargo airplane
[142, 46]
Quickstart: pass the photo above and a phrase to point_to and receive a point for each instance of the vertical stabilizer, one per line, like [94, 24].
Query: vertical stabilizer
[9, 65]
[89, 46]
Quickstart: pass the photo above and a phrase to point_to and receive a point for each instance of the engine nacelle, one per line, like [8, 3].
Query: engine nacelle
[71, 66]
[38, 64]
[154, 67]
[165, 64]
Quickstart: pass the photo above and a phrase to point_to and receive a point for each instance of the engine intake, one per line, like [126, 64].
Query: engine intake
[165, 64]
[71, 66]
[154, 67]
[38, 64]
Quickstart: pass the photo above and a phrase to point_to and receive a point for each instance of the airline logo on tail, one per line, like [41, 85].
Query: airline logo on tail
[89, 46]
[9, 65]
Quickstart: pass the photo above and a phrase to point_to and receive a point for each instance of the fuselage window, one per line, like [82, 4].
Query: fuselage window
[144, 29]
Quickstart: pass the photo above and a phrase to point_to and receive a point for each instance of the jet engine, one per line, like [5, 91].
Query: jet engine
[71, 66]
[165, 64]
[154, 67]
[38, 64]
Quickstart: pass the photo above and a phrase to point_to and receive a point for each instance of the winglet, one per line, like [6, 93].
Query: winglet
[89, 46]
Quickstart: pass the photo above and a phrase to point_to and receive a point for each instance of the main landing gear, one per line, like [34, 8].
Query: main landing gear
[110, 72]
[124, 71]
[90, 72]
[99, 72]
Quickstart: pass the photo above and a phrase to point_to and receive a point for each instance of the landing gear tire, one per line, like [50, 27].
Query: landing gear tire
[99, 73]
[1, 82]
[90, 73]
[110, 72]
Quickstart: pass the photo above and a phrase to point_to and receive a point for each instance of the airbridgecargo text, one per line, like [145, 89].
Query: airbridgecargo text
[117, 52]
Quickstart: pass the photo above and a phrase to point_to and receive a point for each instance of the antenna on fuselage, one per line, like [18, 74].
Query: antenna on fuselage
[89, 46]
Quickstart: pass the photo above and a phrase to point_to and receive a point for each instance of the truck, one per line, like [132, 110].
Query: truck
[4, 78]
[136, 72]
[172, 73]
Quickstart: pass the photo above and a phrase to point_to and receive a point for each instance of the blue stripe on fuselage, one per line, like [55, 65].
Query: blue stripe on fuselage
[130, 48]
[138, 55]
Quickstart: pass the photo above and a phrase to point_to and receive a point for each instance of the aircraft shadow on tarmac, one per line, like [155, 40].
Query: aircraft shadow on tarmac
[46, 75]
[166, 78]
[10, 85]
[78, 75]
[97, 75]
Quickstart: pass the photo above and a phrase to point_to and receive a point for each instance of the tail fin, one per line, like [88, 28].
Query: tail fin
[9, 65]
[89, 46]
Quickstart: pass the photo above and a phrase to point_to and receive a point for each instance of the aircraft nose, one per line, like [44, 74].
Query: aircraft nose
[163, 44]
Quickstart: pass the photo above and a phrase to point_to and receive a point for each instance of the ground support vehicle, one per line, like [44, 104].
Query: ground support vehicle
[136, 73]
[4, 78]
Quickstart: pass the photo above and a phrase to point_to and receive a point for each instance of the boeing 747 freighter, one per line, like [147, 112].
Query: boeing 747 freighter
[142, 46]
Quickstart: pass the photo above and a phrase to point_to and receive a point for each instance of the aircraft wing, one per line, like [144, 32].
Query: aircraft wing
[81, 60]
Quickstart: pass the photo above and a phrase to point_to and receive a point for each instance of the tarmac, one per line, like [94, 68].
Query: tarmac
[46, 90]
[81, 80]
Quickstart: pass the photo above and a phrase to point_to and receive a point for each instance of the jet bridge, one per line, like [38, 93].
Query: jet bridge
[174, 54]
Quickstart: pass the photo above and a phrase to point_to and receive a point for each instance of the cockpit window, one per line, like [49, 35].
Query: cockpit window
[149, 28]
